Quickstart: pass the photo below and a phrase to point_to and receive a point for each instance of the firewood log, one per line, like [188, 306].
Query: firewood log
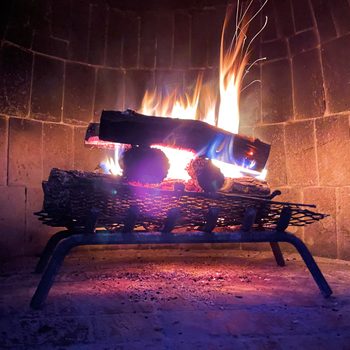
[144, 165]
[207, 141]
[206, 174]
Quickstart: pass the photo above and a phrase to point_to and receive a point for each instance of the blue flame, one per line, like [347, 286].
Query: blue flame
[222, 149]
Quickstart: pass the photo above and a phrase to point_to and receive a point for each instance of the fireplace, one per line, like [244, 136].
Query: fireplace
[64, 62]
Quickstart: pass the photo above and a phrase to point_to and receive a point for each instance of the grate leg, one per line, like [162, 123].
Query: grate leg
[47, 279]
[310, 263]
[49, 248]
[276, 249]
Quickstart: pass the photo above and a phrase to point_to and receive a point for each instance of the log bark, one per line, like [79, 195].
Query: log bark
[145, 165]
[205, 174]
[246, 185]
[205, 140]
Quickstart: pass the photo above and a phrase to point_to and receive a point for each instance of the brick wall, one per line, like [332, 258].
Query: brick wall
[62, 62]
[305, 109]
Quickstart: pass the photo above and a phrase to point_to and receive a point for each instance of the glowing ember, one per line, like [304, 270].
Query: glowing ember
[233, 68]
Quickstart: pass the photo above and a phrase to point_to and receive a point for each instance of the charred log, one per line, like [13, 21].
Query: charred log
[207, 141]
[144, 165]
[206, 174]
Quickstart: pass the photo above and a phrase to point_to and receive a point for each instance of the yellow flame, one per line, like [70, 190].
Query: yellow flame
[205, 103]
[111, 164]
[178, 159]
[173, 105]
[233, 61]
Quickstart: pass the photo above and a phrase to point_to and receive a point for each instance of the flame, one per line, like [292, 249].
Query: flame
[178, 159]
[232, 67]
[111, 164]
[173, 105]
[220, 108]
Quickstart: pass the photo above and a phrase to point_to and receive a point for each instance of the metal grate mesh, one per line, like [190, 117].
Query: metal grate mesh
[68, 202]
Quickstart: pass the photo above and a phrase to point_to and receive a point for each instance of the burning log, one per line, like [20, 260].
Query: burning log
[210, 179]
[206, 174]
[92, 138]
[144, 165]
[207, 141]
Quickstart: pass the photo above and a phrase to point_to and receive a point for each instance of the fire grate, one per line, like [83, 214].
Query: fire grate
[84, 201]
[69, 197]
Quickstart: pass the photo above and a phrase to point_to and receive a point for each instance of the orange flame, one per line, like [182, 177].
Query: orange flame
[204, 103]
[173, 105]
[233, 62]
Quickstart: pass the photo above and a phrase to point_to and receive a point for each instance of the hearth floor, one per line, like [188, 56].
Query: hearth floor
[176, 299]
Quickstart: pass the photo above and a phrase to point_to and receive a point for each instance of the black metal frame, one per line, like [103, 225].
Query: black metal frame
[62, 242]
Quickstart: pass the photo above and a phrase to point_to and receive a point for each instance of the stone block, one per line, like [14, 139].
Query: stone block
[50, 46]
[335, 61]
[303, 41]
[181, 51]
[291, 195]
[270, 32]
[25, 152]
[343, 222]
[148, 40]
[40, 17]
[276, 88]
[276, 165]
[246, 130]
[131, 25]
[341, 15]
[3, 150]
[15, 78]
[5, 10]
[284, 18]
[109, 91]
[250, 98]
[309, 99]
[78, 36]
[47, 89]
[36, 233]
[87, 158]
[19, 28]
[57, 147]
[199, 31]
[164, 38]
[217, 16]
[209, 75]
[60, 24]
[321, 236]
[114, 38]
[301, 153]
[97, 38]
[274, 49]
[325, 25]
[333, 150]
[78, 93]
[302, 15]
[136, 84]
[168, 81]
[254, 27]
[12, 221]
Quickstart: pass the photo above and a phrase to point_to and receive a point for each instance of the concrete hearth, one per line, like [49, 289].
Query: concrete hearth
[176, 299]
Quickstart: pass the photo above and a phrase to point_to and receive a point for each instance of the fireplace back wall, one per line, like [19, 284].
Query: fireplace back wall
[62, 62]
